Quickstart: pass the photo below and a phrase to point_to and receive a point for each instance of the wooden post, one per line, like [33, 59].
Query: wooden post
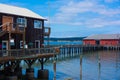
[81, 67]
[99, 67]
[54, 68]
[9, 29]
[24, 35]
[42, 64]
[24, 38]
[9, 47]
[48, 41]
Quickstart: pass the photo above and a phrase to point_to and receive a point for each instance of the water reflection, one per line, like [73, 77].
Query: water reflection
[99, 65]
[81, 66]
[117, 61]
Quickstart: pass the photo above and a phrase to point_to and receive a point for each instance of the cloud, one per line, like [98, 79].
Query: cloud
[73, 13]
[107, 11]
[68, 13]
[102, 22]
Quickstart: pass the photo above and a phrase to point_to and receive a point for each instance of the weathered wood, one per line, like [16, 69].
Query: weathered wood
[28, 54]
[8, 23]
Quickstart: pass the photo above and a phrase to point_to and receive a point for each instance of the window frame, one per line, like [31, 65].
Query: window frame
[22, 21]
[21, 44]
[37, 23]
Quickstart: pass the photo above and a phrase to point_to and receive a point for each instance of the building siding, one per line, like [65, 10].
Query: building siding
[0, 19]
[103, 42]
[31, 34]
[108, 42]
[89, 42]
[102, 39]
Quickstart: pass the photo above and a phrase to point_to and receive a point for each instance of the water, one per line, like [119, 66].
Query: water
[64, 42]
[100, 65]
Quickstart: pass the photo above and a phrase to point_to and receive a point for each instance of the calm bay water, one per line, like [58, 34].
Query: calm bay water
[63, 42]
[100, 65]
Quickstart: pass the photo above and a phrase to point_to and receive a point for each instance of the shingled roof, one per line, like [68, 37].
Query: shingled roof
[103, 36]
[13, 10]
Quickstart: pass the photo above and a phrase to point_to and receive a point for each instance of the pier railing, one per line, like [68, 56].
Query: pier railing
[26, 52]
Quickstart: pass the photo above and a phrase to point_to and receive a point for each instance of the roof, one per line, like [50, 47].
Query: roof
[103, 36]
[8, 9]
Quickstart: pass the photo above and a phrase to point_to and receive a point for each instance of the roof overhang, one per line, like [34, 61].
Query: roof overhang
[18, 11]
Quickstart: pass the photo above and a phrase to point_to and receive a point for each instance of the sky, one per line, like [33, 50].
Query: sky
[75, 18]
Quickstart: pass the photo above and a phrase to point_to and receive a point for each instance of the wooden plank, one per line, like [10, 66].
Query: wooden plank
[29, 57]
[7, 19]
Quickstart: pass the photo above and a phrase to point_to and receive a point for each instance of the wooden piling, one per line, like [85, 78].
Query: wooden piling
[54, 68]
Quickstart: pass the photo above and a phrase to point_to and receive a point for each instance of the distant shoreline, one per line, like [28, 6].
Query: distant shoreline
[66, 39]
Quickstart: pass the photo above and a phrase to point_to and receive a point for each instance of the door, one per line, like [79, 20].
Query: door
[5, 48]
[97, 42]
[37, 45]
[7, 19]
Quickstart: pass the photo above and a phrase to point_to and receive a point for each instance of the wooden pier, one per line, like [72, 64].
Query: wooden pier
[67, 51]
[75, 50]
[10, 62]
[20, 54]
[10, 59]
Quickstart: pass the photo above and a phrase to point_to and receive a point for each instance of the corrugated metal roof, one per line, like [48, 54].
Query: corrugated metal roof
[18, 11]
[103, 36]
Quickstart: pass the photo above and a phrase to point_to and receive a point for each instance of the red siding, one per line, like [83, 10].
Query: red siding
[89, 42]
[102, 42]
[109, 42]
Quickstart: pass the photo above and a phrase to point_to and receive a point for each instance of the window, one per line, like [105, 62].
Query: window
[21, 44]
[22, 22]
[37, 24]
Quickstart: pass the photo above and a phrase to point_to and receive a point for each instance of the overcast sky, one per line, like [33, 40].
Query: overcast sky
[75, 18]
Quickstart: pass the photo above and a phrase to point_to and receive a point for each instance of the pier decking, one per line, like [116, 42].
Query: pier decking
[10, 61]
[26, 54]
[65, 51]
[73, 50]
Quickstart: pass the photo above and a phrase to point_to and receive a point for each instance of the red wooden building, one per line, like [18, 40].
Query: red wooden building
[102, 39]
